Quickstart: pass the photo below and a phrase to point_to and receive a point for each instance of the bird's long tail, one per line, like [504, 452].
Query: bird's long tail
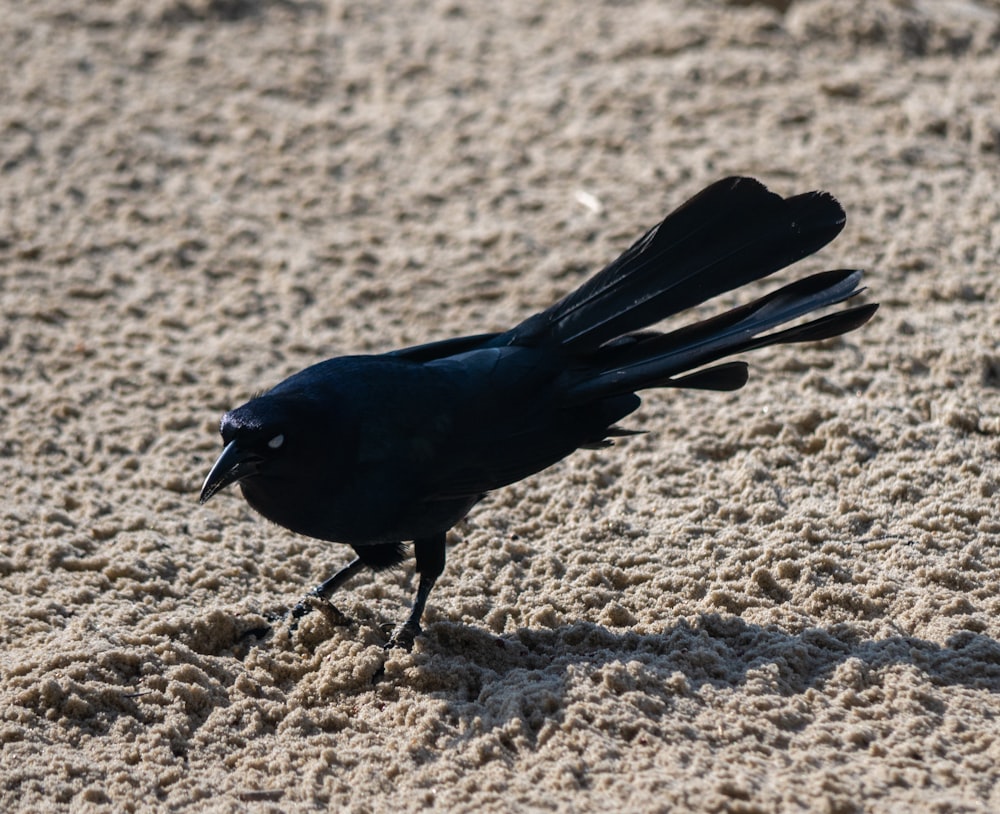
[658, 360]
[730, 234]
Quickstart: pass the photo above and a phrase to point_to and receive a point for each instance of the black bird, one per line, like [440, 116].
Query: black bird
[375, 450]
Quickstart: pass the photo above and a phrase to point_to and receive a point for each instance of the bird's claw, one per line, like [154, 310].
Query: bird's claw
[301, 608]
[404, 637]
[310, 602]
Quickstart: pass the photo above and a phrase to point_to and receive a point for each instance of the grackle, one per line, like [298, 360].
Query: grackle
[372, 451]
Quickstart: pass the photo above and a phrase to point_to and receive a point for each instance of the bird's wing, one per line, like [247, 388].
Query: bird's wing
[443, 348]
[520, 457]
[510, 420]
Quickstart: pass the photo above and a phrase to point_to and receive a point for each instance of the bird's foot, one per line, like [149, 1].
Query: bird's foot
[310, 602]
[403, 638]
[300, 609]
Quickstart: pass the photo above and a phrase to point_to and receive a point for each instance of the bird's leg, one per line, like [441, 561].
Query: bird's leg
[325, 589]
[430, 563]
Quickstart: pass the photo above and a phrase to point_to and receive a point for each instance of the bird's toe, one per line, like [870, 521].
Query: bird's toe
[404, 637]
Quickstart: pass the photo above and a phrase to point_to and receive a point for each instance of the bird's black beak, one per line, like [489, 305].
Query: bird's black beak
[233, 465]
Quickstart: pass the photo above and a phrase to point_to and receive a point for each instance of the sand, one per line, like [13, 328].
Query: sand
[781, 599]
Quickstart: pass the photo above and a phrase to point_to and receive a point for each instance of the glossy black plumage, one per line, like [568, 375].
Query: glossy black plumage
[372, 451]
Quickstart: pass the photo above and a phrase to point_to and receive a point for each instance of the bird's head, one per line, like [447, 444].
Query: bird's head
[259, 438]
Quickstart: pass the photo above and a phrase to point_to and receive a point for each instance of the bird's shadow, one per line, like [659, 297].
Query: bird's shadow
[528, 673]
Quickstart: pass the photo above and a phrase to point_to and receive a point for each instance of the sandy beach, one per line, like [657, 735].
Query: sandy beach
[785, 598]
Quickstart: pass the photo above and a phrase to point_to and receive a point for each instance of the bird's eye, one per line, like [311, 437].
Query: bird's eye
[276, 442]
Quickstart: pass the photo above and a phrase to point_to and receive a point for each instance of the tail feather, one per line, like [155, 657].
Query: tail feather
[655, 360]
[728, 376]
[699, 341]
[733, 232]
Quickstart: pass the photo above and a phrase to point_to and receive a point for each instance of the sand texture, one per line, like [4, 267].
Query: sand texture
[781, 599]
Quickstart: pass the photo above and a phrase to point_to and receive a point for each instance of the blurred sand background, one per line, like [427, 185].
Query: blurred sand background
[782, 599]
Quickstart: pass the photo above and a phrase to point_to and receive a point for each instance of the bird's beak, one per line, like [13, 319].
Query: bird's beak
[233, 465]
